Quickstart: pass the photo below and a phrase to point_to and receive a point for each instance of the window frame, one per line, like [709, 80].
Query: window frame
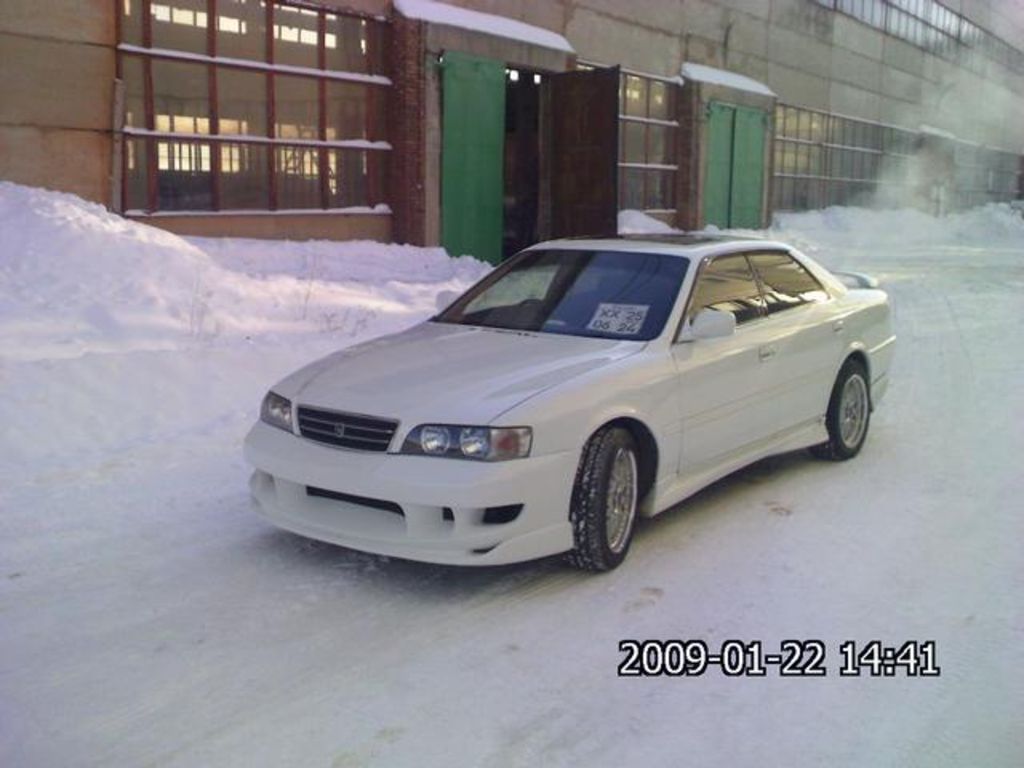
[762, 284]
[702, 266]
[375, 148]
[669, 126]
[936, 29]
[846, 158]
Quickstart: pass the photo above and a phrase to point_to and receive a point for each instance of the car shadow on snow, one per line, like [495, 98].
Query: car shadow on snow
[425, 580]
[766, 479]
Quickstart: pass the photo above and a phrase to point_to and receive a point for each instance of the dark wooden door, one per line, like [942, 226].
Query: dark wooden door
[585, 152]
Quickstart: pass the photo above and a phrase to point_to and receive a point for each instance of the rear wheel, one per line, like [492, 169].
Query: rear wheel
[849, 414]
[604, 500]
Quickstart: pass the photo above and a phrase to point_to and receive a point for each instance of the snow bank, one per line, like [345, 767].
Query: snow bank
[633, 222]
[118, 339]
[76, 279]
[996, 224]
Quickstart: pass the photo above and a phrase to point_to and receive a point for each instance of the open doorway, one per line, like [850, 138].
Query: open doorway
[493, 156]
[522, 160]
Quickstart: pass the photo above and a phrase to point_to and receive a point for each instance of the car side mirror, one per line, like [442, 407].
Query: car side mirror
[712, 324]
[445, 299]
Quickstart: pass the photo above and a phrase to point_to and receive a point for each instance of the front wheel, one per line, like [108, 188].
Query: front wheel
[604, 501]
[849, 414]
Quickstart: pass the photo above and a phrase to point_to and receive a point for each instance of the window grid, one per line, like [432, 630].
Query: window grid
[648, 168]
[177, 160]
[822, 159]
[937, 29]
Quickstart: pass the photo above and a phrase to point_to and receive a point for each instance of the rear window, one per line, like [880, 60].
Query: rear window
[601, 294]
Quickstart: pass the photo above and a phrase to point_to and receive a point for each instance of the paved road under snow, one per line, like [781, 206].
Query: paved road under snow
[148, 618]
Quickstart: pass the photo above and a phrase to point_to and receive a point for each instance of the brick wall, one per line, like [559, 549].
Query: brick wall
[407, 126]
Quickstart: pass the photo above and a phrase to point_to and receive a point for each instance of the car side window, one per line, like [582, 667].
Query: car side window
[727, 284]
[787, 283]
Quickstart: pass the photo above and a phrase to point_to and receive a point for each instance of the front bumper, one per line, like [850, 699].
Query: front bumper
[443, 500]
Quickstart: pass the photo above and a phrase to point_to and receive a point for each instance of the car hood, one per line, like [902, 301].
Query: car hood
[441, 373]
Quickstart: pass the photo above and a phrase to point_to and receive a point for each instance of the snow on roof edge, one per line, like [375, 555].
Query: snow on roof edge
[477, 21]
[714, 76]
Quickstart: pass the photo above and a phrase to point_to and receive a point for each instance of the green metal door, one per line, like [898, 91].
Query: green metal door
[718, 170]
[747, 168]
[734, 171]
[472, 154]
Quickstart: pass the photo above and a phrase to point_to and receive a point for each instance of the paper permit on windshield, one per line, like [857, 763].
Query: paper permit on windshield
[619, 319]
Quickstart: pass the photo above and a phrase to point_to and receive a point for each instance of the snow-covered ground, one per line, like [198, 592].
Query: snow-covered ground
[147, 617]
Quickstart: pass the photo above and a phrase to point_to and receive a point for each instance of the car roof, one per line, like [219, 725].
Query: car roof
[690, 244]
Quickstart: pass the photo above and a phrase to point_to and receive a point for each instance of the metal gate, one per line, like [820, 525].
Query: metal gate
[472, 152]
[734, 170]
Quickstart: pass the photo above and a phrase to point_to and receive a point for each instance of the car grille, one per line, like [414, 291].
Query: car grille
[346, 430]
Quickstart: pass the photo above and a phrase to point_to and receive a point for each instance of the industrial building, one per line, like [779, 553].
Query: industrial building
[485, 125]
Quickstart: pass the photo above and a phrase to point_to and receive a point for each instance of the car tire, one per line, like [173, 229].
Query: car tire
[605, 499]
[848, 415]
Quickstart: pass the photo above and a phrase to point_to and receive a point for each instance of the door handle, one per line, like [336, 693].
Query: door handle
[766, 352]
[838, 325]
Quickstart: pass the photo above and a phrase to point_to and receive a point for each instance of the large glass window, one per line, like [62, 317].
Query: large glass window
[298, 177]
[179, 25]
[181, 102]
[183, 175]
[296, 36]
[351, 44]
[823, 159]
[242, 29]
[297, 102]
[131, 22]
[857, 159]
[241, 102]
[353, 176]
[648, 133]
[251, 104]
[134, 91]
[136, 159]
[930, 25]
[243, 176]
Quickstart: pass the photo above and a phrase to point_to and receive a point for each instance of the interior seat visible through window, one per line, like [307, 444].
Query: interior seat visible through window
[727, 284]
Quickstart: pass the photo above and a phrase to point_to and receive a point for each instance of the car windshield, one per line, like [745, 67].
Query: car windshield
[601, 294]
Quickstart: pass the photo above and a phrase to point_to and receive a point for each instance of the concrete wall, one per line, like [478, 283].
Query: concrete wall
[56, 94]
[810, 56]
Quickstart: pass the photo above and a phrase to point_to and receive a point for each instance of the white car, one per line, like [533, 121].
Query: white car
[581, 384]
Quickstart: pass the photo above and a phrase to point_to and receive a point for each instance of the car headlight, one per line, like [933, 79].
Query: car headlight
[277, 411]
[462, 442]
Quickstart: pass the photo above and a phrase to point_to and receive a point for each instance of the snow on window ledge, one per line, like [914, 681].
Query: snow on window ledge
[381, 209]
